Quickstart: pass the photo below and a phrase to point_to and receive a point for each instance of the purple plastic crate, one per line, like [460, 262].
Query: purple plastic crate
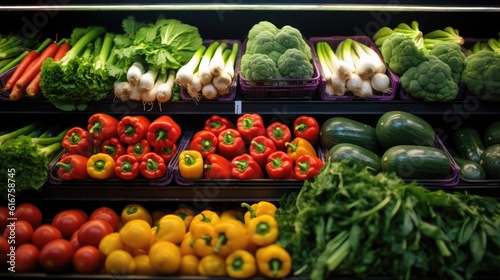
[334, 41]
[276, 89]
[322, 154]
[4, 95]
[231, 95]
[403, 95]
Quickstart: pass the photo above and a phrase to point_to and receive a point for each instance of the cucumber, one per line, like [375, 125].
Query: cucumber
[401, 128]
[470, 170]
[338, 130]
[416, 162]
[468, 143]
[355, 154]
[492, 134]
[490, 161]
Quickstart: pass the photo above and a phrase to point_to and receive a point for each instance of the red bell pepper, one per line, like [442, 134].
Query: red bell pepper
[163, 132]
[216, 124]
[102, 126]
[306, 127]
[153, 166]
[78, 141]
[216, 167]
[132, 129]
[230, 144]
[205, 142]
[139, 149]
[245, 167]
[73, 166]
[279, 165]
[260, 148]
[127, 167]
[113, 147]
[166, 153]
[307, 166]
[279, 133]
[250, 126]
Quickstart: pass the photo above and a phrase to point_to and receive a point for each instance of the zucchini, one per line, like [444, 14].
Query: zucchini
[416, 162]
[468, 143]
[470, 170]
[355, 154]
[492, 134]
[490, 161]
[401, 128]
[338, 130]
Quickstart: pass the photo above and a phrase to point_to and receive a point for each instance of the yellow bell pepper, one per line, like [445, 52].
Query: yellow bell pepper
[299, 146]
[258, 209]
[136, 212]
[233, 214]
[186, 215]
[273, 261]
[165, 257]
[170, 228]
[212, 265]
[110, 243]
[144, 266]
[202, 235]
[263, 230]
[241, 264]
[230, 236]
[191, 164]
[120, 262]
[206, 216]
[136, 234]
[186, 248]
[189, 265]
[101, 166]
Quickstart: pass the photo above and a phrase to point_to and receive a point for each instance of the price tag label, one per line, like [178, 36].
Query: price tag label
[237, 107]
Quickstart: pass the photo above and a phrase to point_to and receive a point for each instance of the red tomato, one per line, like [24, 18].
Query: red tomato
[44, 234]
[30, 213]
[4, 214]
[108, 215]
[27, 258]
[68, 221]
[4, 250]
[74, 240]
[92, 231]
[88, 259]
[56, 255]
[22, 233]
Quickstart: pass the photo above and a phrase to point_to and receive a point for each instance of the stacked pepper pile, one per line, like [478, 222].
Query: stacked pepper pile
[234, 243]
[125, 148]
[250, 150]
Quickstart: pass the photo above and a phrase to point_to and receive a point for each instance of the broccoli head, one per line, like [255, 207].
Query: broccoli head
[481, 75]
[431, 80]
[264, 43]
[259, 67]
[401, 53]
[451, 54]
[291, 38]
[261, 27]
[294, 64]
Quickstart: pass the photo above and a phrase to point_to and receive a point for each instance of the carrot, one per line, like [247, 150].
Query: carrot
[23, 65]
[33, 88]
[16, 93]
[30, 73]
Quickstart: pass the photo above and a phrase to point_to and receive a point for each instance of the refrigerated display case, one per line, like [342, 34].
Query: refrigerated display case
[232, 20]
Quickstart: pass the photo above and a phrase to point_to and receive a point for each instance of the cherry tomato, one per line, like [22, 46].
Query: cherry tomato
[44, 234]
[87, 259]
[56, 255]
[4, 250]
[30, 213]
[22, 233]
[92, 231]
[4, 214]
[74, 240]
[27, 258]
[68, 221]
[108, 215]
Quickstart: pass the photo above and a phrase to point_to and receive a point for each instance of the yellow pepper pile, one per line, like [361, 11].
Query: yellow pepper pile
[237, 243]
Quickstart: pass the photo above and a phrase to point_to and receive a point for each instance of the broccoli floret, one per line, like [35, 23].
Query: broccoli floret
[481, 75]
[291, 38]
[431, 80]
[259, 67]
[451, 54]
[293, 64]
[264, 43]
[261, 27]
[401, 53]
